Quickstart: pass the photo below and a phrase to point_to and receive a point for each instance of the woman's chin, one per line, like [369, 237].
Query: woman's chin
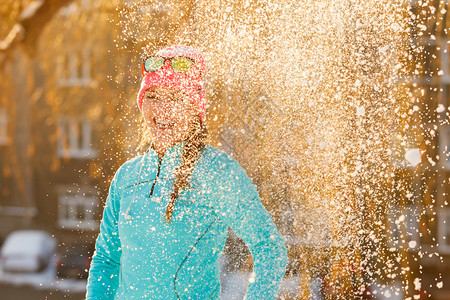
[162, 131]
[165, 139]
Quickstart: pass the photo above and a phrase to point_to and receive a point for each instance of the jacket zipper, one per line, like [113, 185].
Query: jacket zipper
[157, 175]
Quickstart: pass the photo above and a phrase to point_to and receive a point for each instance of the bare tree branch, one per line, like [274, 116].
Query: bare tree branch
[30, 24]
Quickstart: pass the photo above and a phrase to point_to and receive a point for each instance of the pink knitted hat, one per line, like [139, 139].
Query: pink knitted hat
[190, 82]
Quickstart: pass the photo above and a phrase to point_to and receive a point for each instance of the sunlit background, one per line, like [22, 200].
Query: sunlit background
[338, 111]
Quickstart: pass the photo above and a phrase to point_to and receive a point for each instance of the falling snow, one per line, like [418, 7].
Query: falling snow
[335, 71]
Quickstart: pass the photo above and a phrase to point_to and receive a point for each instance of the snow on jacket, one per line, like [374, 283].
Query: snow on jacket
[143, 257]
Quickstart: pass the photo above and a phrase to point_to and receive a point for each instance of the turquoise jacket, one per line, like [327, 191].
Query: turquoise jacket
[139, 256]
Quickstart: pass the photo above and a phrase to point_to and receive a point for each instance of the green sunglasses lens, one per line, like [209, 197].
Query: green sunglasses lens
[182, 64]
[153, 64]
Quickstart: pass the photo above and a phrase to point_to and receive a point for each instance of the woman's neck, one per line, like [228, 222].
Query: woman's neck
[161, 148]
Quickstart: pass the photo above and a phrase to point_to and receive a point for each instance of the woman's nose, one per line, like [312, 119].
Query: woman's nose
[165, 107]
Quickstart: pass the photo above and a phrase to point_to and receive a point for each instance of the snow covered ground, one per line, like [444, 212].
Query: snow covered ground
[387, 292]
[44, 280]
[234, 285]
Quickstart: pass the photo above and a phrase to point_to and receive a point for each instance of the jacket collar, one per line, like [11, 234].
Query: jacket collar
[169, 162]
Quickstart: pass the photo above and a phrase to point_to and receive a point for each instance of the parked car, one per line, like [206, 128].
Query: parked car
[27, 251]
[74, 261]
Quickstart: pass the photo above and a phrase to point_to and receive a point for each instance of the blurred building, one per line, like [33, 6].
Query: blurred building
[68, 120]
[418, 226]
[431, 133]
[55, 119]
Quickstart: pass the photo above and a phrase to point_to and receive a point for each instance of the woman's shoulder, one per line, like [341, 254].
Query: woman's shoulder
[215, 155]
[218, 159]
[225, 171]
[132, 162]
[128, 166]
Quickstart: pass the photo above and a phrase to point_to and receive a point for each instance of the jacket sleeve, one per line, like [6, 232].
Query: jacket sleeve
[103, 277]
[241, 207]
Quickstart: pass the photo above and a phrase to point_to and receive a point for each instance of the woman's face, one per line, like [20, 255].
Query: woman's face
[169, 114]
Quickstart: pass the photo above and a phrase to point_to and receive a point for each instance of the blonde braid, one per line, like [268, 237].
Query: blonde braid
[192, 149]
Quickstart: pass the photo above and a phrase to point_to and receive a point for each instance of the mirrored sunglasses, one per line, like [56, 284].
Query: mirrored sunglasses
[179, 64]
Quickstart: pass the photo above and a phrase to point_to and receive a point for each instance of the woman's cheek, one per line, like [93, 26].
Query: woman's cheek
[146, 113]
[147, 117]
[149, 124]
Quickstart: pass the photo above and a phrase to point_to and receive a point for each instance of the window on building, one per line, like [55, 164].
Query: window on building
[3, 127]
[403, 228]
[445, 61]
[77, 7]
[428, 227]
[444, 230]
[393, 237]
[76, 209]
[405, 148]
[444, 107]
[70, 9]
[411, 224]
[427, 197]
[444, 146]
[74, 68]
[74, 138]
[430, 61]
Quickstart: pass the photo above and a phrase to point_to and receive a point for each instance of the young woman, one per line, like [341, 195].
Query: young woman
[168, 211]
